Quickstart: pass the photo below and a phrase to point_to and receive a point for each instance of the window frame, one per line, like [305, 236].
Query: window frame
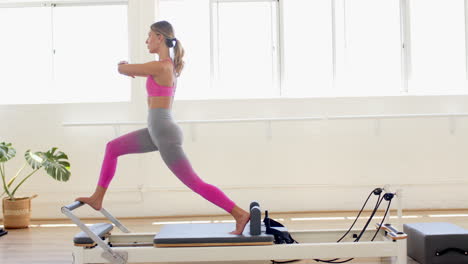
[62, 3]
[405, 35]
[277, 40]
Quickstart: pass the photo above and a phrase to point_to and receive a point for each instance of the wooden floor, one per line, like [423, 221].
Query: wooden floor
[50, 241]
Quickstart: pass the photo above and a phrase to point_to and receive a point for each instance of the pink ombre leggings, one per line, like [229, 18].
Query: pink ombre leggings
[165, 135]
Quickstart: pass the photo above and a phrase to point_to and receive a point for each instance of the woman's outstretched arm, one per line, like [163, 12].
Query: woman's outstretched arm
[145, 69]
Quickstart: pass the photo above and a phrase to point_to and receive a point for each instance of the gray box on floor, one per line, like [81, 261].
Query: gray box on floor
[437, 243]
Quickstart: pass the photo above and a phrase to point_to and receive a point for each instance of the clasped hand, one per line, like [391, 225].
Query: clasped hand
[122, 72]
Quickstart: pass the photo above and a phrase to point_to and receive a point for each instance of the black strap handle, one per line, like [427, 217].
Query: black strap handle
[457, 250]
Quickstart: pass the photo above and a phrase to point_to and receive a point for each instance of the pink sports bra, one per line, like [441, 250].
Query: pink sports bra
[154, 89]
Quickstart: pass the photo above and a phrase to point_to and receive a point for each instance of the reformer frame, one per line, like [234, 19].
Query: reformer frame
[127, 247]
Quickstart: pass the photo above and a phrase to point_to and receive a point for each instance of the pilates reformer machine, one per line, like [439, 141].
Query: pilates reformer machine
[267, 240]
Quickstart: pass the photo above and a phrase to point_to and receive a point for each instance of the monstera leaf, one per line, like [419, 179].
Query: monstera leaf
[7, 152]
[55, 164]
[34, 159]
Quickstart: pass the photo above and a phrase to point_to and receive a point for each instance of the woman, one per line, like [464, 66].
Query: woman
[163, 133]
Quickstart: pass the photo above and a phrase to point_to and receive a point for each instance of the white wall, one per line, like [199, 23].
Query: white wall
[305, 166]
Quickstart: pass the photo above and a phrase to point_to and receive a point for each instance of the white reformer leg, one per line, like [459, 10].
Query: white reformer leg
[401, 257]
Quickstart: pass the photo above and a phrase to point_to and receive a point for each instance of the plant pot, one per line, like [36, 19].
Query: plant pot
[17, 213]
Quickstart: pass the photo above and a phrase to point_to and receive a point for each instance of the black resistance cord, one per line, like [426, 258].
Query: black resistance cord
[378, 191]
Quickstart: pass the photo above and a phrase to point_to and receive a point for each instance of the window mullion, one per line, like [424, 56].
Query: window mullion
[52, 30]
[466, 39]
[281, 59]
[211, 3]
[277, 38]
[333, 24]
[214, 40]
[405, 44]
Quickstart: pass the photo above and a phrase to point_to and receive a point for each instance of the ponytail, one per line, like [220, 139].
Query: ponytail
[178, 58]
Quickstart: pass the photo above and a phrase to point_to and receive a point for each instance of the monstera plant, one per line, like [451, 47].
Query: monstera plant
[55, 163]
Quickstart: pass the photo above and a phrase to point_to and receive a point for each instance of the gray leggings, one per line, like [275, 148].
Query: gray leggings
[165, 135]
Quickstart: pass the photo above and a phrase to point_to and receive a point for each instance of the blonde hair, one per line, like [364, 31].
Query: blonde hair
[165, 28]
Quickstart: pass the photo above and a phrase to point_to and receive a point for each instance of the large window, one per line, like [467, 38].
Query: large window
[323, 47]
[236, 49]
[438, 47]
[63, 54]
[87, 53]
[26, 54]
[308, 48]
[368, 48]
[230, 47]
[245, 49]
